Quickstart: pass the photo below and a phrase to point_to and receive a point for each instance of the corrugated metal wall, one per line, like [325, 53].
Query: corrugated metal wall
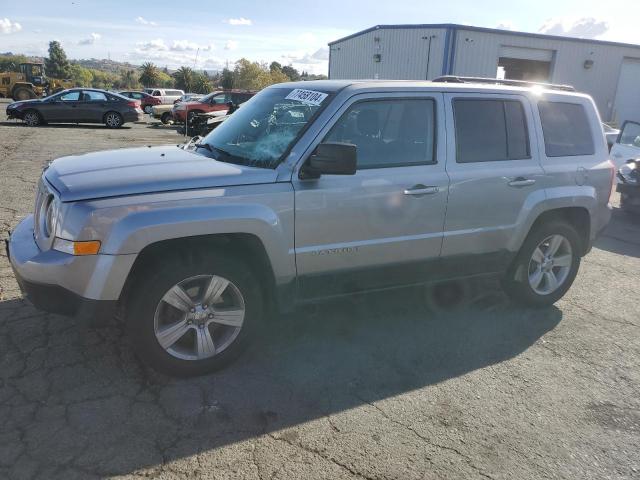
[476, 54]
[403, 55]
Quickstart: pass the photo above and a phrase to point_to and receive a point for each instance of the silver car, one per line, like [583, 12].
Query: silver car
[316, 189]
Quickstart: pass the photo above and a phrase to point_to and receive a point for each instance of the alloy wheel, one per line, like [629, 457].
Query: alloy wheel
[550, 264]
[31, 119]
[113, 120]
[199, 317]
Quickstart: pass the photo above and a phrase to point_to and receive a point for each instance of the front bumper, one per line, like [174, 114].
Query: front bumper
[13, 113]
[83, 287]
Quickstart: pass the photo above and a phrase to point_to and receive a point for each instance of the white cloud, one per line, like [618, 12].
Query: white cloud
[506, 25]
[586, 27]
[152, 45]
[319, 56]
[239, 21]
[231, 45]
[91, 39]
[7, 26]
[144, 21]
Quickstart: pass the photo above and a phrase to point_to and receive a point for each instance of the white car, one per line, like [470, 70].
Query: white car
[627, 147]
[167, 96]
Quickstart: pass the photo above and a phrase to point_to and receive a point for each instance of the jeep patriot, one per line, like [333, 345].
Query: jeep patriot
[317, 189]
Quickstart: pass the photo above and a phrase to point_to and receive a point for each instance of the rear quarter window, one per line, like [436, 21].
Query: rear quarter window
[566, 129]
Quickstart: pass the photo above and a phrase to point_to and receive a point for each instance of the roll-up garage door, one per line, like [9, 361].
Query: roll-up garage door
[522, 53]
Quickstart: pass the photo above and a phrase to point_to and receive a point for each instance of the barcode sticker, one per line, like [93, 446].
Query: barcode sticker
[307, 96]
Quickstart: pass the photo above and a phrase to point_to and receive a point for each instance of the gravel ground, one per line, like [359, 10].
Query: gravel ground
[375, 387]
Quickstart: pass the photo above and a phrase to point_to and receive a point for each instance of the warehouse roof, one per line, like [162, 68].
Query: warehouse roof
[454, 26]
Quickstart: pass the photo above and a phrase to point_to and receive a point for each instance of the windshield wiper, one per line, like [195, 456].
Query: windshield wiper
[204, 145]
[228, 157]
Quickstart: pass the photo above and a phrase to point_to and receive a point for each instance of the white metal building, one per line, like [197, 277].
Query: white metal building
[608, 71]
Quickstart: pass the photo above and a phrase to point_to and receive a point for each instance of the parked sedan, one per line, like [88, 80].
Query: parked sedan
[147, 101]
[78, 105]
[214, 102]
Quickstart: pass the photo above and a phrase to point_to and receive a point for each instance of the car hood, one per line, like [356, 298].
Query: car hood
[25, 102]
[133, 171]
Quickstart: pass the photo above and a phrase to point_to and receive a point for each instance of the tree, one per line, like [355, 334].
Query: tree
[11, 63]
[57, 65]
[184, 78]
[275, 66]
[165, 80]
[227, 79]
[291, 72]
[128, 79]
[201, 83]
[82, 77]
[150, 75]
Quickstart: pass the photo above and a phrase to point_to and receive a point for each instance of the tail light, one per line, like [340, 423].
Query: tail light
[133, 104]
[612, 171]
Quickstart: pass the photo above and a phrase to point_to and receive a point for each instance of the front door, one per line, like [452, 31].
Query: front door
[382, 226]
[627, 147]
[62, 108]
[494, 170]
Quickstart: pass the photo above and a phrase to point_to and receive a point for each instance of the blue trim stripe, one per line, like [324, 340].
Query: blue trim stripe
[487, 30]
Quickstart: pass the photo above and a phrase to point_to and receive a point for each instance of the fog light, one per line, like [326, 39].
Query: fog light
[91, 247]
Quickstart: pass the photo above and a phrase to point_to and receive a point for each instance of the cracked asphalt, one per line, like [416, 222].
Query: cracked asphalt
[373, 387]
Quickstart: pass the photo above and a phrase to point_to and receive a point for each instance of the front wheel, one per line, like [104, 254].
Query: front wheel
[546, 265]
[191, 318]
[166, 118]
[113, 120]
[32, 118]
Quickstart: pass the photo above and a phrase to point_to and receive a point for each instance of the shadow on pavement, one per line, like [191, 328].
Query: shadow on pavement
[622, 235]
[77, 400]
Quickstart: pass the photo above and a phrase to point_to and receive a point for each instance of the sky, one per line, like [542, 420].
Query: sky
[208, 34]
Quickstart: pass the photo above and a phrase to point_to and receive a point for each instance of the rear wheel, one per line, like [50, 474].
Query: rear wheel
[147, 109]
[23, 93]
[31, 118]
[166, 118]
[113, 120]
[546, 266]
[192, 317]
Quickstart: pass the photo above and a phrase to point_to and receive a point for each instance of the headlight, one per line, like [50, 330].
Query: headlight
[11, 105]
[50, 216]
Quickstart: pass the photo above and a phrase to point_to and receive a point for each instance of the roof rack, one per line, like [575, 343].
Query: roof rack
[497, 81]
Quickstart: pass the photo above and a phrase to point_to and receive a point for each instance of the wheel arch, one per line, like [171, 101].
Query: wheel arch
[578, 217]
[245, 246]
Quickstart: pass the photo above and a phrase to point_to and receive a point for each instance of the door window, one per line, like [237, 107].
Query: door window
[91, 96]
[221, 98]
[388, 133]
[156, 93]
[630, 134]
[70, 96]
[566, 129]
[490, 130]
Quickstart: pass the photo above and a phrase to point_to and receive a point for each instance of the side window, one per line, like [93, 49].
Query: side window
[490, 130]
[221, 98]
[630, 134]
[90, 96]
[566, 129]
[70, 97]
[156, 93]
[389, 133]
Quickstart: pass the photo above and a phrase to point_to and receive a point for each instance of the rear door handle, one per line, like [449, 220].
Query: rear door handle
[521, 182]
[421, 190]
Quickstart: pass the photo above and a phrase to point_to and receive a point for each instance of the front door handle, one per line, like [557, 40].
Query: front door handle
[521, 182]
[421, 190]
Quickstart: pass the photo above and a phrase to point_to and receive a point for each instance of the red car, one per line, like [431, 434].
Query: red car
[147, 101]
[215, 101]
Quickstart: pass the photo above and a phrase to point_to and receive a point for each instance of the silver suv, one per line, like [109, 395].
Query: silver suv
[316, 189]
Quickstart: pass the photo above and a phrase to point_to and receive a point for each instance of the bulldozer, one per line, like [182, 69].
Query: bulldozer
[30, 82]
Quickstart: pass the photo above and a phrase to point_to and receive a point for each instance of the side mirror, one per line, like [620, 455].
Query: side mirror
[332, 159]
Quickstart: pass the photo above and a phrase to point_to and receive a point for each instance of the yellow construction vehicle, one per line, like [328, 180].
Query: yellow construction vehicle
[30, 82]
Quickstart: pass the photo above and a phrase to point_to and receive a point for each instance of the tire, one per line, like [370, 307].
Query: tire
[166, 118]
[147, 109]
[149, 314]
[23, 93]
[526, 271]
[113, 120]
[32, 118]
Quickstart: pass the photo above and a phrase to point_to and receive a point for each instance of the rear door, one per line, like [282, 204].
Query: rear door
[494, 171]
[627, 146]
[94, 107]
